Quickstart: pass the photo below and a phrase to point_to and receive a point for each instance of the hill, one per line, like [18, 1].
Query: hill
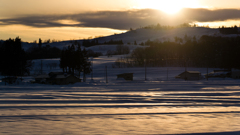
[142, 35]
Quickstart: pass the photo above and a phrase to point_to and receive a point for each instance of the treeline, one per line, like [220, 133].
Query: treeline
[42, 52]
[223, 29]
[13, 58]
[120, 49]
[229, 30]
[46, 52]
[208, 51]
[167, 27]
[93, 42]
[47, 41]
[73, 60]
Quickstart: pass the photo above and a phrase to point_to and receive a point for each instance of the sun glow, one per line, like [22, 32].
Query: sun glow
[168, 6]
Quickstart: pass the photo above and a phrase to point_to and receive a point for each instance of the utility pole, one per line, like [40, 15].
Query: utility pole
[207, 73]
[92, 69]
[185, 71]
[167, 73]
[106, 75]
[167, 68]
[41, 67]
[145, 70]
[21, 71]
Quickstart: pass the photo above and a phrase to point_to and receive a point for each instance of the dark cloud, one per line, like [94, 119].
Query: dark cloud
[125, 19]
[107, 19]
[205, 15]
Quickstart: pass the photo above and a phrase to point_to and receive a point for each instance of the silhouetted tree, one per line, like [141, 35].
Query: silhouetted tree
[13, 58]
[229, 30]
[40, 43]
[46, 52]
[79, 60]
[63, 61]
[208, 51]
[72, 60]
[135, 42]
[86, 65]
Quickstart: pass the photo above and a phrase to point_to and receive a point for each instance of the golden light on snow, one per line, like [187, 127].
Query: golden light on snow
[169, 6]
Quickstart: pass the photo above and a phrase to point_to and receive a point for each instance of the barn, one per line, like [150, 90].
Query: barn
[58, 78]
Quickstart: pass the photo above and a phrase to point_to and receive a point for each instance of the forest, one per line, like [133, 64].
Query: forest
[208, 51]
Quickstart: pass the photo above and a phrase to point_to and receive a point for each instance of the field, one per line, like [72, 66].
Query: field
[159, 105]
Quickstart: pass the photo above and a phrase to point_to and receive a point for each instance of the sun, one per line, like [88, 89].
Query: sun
[168, 6]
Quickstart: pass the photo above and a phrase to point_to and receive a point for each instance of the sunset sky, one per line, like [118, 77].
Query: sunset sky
[77, 19]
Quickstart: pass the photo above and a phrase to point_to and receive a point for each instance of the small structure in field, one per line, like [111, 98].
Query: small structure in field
[58, 78]
[126, 76]
[9, 80]
[189, 75]
[219, 74]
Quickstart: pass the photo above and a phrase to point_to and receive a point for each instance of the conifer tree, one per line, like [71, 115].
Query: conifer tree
[86, 65]
[79, 60]
[40, 43]
[72, 60]
[14, 61]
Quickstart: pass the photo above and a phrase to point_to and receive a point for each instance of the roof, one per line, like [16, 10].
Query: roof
[126, 74]
[193, 72]
[54, 75]
[42, 77]
[10, 78]
[62, 76]
[190, 72]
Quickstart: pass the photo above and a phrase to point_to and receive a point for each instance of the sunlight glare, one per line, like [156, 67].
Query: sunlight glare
[168, 6]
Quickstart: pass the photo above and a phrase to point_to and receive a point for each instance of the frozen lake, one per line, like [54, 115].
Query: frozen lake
[138, 107]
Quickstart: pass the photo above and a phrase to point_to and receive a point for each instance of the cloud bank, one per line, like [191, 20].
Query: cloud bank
[124, 19]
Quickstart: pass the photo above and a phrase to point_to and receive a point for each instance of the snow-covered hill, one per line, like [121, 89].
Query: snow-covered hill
[142, 35]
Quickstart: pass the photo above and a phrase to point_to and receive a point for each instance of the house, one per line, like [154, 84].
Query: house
[189, 75]
[58, 78]
[126, 76]
[9, 80]
[41, 78]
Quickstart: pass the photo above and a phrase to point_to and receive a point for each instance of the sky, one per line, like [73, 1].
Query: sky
[79, 19]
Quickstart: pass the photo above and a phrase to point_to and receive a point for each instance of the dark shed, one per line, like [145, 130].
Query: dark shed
[126, 76]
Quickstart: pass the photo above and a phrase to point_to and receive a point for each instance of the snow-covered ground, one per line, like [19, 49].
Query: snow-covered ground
[159, 105]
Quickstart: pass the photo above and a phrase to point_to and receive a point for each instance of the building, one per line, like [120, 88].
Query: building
[41, 78]
[58, 78]
[189, 75]
[126, 76]
[218, 74]
[9, 80]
